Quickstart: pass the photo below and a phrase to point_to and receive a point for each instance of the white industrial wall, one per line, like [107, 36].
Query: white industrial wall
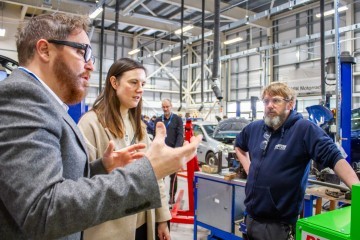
[297, 65]
[241, 77]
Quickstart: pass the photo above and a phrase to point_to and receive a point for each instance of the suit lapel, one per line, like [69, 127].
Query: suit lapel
[80, 138]
[59, 109]
[74, 127]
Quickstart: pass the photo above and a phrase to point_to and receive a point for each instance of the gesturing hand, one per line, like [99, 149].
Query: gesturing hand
[114, 159]
[166, 160]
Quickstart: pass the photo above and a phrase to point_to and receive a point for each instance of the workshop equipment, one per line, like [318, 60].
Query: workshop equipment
[229, 176]
[344, 135]
[327, 175]
[209, 169]
[336, 186]
[339, 224]
[186, 216]
[219, 206]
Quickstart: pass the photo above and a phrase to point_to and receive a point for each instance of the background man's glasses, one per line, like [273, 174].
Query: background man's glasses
[86, 47]
[274, 101]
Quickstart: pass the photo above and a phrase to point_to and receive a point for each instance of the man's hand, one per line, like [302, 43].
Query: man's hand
[166, 160]
[114, 159]
[244, 159]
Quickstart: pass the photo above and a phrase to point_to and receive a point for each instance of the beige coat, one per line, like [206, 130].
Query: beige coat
[97, 139]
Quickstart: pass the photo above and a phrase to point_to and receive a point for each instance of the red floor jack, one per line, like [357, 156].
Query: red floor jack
[186, 216]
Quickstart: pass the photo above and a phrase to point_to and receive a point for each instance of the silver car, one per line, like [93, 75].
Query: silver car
[208, 150]
[226, 132]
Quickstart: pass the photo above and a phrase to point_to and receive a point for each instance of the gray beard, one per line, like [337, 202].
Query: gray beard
[274, 122]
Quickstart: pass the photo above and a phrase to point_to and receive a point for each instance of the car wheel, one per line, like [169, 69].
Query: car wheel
[211, 159]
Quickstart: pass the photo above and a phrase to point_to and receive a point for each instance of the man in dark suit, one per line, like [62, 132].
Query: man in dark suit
[174, 138]
[45, 186]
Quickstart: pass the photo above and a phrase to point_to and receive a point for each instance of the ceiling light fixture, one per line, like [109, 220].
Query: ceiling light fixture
[186, 28]
[2, 32]
[96, 12]
[175, 58]
[134, 51]
[234, 40]
[2, 29]
[332, 11]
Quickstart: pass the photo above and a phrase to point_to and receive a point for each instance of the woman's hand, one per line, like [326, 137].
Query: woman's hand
[114, 159]
[163, 231]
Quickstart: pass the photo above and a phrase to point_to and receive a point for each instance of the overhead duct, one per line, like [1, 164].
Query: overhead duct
[202, 54]
[216, 58]
[322, 49]
[181, 52]
[117, 11]
[101, 47]
[236, 24]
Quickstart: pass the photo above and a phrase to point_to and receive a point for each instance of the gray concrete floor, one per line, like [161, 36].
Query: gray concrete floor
[179, 231]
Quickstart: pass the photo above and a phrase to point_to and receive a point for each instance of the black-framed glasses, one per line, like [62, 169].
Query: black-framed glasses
[274, 101]
[263, 144]
[86, 47]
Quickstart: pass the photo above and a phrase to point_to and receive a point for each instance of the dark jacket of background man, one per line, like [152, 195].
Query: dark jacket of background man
[174, 131]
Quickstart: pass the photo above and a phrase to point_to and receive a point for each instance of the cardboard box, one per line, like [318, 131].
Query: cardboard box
[208, 169]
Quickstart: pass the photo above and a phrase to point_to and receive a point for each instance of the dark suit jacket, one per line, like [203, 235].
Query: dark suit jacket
[45, 188]
[174, 130]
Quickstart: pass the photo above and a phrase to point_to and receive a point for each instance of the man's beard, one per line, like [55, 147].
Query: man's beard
[274, 122]
[70, 82]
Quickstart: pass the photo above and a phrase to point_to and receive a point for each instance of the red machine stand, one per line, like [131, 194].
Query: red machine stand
[186, 216]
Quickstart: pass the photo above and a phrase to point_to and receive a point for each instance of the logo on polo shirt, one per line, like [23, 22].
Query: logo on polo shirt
[280, 147]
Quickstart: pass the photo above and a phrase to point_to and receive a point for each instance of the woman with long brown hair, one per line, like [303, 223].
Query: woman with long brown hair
[116, 116]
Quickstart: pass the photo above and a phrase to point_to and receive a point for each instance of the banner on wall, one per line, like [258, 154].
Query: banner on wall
[305, 81]
[308, 86]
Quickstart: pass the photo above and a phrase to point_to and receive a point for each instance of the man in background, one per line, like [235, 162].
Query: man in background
[174, 138]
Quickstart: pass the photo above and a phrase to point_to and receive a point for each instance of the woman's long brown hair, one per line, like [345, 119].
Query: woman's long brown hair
[107, 104]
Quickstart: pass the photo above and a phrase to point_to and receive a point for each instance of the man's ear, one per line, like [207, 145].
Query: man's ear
[42, 48]
[291, 105]
[113, 82]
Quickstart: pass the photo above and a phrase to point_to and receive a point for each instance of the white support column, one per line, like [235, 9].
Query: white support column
[222, 71]
[349, 20]
[228, 90]
[134, 46]
[270, 63]
[187, 97]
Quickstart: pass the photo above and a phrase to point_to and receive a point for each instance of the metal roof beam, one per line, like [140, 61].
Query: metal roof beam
[131, 7]
[249, 20]
[280, 45]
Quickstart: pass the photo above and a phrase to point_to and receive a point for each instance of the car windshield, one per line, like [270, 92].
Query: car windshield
[209, 129]
[233, 126]
[226, 134]
[228, 129]
[355, 120]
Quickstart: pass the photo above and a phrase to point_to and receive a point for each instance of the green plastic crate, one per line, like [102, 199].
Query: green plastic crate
[340, 224]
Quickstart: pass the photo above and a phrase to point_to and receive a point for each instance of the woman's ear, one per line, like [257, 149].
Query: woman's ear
[113, 82]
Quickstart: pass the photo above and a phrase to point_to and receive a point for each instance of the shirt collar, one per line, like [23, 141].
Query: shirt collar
[66, 107]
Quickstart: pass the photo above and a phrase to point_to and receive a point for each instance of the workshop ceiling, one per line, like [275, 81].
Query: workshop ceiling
[160, 18]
